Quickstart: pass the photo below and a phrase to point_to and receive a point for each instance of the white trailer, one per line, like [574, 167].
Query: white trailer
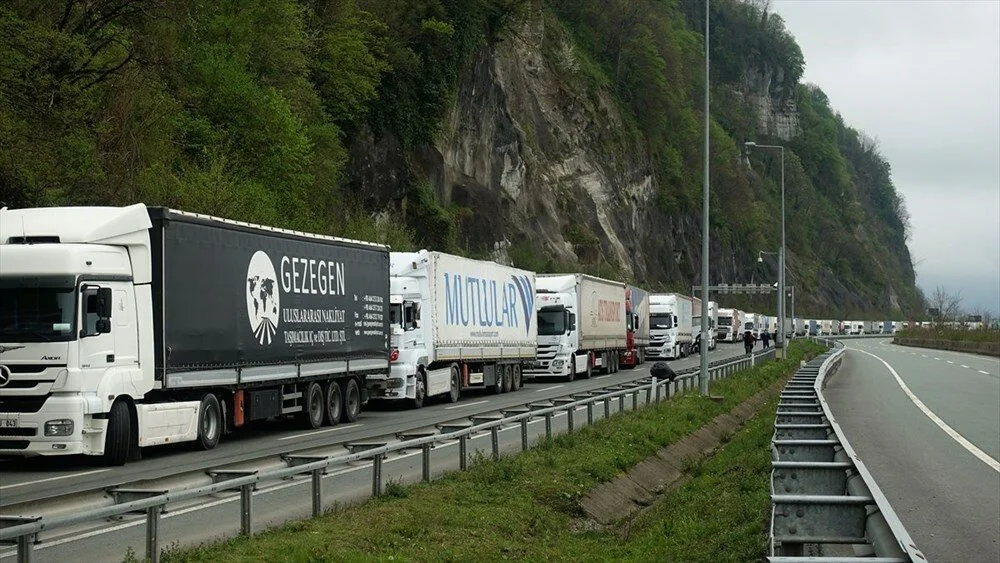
[671, 333]
[752, 322]
[713, 308]
[457, 324]
[713, 317]
[582, 326]
[826, 327]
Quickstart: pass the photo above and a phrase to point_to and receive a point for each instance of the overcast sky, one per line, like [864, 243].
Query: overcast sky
[923, 77]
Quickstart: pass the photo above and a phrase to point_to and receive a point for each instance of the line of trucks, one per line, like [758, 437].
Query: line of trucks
[123, 328]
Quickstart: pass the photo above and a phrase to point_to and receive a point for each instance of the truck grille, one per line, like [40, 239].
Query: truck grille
[546, 351]
[22, 404]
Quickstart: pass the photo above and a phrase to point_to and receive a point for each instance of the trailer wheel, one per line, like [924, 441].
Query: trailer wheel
[516, 378]
[421, 391]
[352, 400]
[508, 375]
[313, 409]
[498, 375]
[118, 438]
[456, 386]
[209, 422]
[334, 403]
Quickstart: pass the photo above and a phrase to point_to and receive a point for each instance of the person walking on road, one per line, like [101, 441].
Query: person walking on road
[765, 339]
[748, 342]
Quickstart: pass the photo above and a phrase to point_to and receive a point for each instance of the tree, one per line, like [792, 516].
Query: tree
[945, 306]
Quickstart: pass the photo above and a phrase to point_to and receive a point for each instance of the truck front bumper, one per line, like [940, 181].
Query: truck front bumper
[665, 352]
[399, 384]
[23, 433]
[557, 367]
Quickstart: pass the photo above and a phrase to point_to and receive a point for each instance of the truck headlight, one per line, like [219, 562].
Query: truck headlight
[59, 427]
[558, 363]
[395, 383]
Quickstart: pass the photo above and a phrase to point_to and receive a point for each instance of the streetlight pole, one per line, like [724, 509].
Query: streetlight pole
[702, 349]
[779, 345]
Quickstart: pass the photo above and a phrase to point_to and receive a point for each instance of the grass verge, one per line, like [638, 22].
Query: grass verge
[524, 507]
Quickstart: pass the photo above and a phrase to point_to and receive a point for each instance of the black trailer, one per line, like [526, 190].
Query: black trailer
[266, 321]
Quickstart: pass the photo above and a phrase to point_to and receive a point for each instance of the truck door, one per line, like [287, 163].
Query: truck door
[97, 340]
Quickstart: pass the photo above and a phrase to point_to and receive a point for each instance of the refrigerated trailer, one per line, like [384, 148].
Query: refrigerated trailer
[457, 324]
[581, 326]
[122, 328]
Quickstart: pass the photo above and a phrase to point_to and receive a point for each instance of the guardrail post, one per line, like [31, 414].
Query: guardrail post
[246, 509]
[377, 475]
[463, 452]
[317, 492]
[649, 392]
[635, 400]
[621, 403]
[524, 434]
[495, 441]
[590, 412]
[569, 419]
[427, 462]
[656, 387]
[25, 545]
[607, 407]
[548, 426]
[152, 533]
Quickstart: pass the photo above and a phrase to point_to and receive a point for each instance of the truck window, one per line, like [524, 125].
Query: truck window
[661, 320]
[551, 321]
[396, 314]
[37, 314]
[409, 315]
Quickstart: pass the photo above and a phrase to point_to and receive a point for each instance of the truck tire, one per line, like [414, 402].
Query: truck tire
[352, 400]
[455, 392]
[590, 367]
[334, 403]
[313, 409]
[421, 392]
[209, 422]
[508, 375]
[515, 379]
[118, 438]
[498, 374]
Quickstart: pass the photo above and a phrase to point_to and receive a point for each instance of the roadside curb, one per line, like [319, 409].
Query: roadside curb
[627, 495]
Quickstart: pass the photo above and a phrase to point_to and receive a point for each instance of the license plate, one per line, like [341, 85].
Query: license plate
[8, 422]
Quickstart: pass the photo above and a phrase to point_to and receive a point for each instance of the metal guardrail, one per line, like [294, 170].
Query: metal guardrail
[25, 530]
[824, 500]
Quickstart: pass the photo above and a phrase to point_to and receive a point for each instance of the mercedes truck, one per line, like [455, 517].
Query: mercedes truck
[457, 324]
[671, 333]
[581, 326]
[122, 328]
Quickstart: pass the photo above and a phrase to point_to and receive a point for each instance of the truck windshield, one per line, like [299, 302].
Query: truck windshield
[748, 325]
[661, 320]
[551, 321]
[37, 314]
[725, 321]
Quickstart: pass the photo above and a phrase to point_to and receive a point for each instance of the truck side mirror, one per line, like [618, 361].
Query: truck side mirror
[103, 326]
[104, 304]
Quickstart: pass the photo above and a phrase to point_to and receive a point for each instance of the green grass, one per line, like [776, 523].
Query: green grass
[951, 334]
[524, 507]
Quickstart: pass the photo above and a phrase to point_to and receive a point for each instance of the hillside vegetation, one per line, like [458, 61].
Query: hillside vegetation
[323, 115]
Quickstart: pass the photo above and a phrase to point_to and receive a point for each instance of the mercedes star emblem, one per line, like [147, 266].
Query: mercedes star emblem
[4, 375]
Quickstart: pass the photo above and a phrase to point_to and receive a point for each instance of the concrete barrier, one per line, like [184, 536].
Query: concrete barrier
[986, 348]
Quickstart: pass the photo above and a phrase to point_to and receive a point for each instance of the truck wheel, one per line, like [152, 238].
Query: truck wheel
[352, 400]
[515, 380]
[590, 367]
[456, 386]
[209, 422]
[313, 409]
[421, 392]
[334, 403]
[498, 375]
[118, 438]
[508, 375]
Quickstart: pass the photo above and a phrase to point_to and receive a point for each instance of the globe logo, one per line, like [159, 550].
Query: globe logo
[263, 303]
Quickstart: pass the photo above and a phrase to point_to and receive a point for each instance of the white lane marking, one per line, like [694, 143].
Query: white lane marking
[938, 359]
[465, 405]
[549, 388]
[950, 362]
[980, 371]
[965, 366]
[323, 431]
[983, 456]
[70, 476]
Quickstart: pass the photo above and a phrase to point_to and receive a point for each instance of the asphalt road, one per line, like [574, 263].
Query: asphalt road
[37, 479]
[936, 463]
[215, 518]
